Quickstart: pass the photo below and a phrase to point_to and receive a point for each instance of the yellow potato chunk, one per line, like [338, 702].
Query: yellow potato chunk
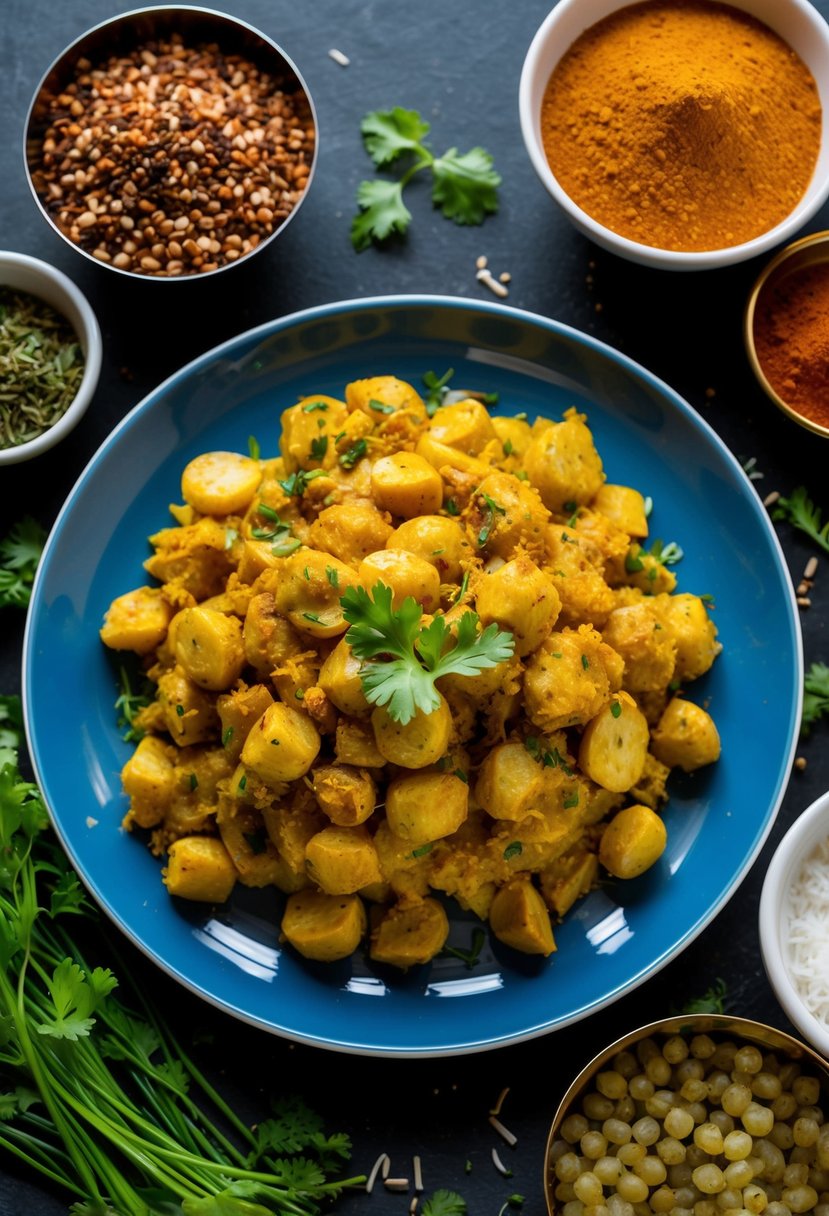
[269, 639]
[563, 464]
[137, 621]
[347, 795]
[649, 651]
[220, 483]
[412, 932]
[341, 860]
[503, 514]
[406, 485]
[437, 540]
[464, 424]
[623, 506]
[614, 745]
[686, 619]
[568, 878]
[515, 434]
[323, 927]
[339, 679]
[199, 868]
[442, 456]
[209, 647]
[238, 711]
[405, 573]
[281, 746]
[685, 736]
[519, 918]
[307, 591]
[520, 598]
[189, 711]
[569, 678]
[148, 778]
[633, 840]
[350, 531]
[308, 430]
[510, 782]
[354, 743]
[417, 744]
[383, 390]
[426, 806]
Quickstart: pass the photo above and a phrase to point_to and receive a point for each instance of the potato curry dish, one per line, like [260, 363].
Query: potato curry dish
[426, 651]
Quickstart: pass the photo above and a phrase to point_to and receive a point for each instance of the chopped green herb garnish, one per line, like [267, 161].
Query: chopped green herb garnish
[405, 682]
[129, 703]
[513, 849]
[380, 407]
[492, 509]
[300, 694]
[461, 775]
[462, 590]
[633, 563]
[227, 736]
[507, 447]
[616, 708]
[333, 577]
[437, 389]
[254, 451]
[180, 710]
[445, 1203]
[585, 662]
[356, 452]
[319, 446]
[668, 554]
[451, 507]
[194, 782]
[280, 533]
[422, 850]
[20, 553]
[571, 800]
[711, 1002]
[314, 405]
[521, 474]
[296, 484]
[312, 616]
[242, 782]
[231, 536]
[470, 956]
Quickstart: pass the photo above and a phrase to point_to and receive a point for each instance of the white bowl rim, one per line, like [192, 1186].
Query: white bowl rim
[636, 251]
[810, 827]
[144, 11]
[90, 338]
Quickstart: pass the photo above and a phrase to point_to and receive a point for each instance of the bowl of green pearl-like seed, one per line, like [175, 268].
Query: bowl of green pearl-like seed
[50, 356]
[700, 1113]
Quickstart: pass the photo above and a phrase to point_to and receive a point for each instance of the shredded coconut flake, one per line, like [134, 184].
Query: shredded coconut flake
[809, 932]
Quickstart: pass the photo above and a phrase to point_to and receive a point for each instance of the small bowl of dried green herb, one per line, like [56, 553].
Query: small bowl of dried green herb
[50, 356]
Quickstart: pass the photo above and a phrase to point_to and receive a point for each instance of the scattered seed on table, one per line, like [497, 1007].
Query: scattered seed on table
[339, 57]
[481, 262]
[503, 1132]
[375, 1170]
[771, 498]
[803, 601]
[396, 1184]
[811, 568]
[485, 277]
[800, 763]
[418, 1175]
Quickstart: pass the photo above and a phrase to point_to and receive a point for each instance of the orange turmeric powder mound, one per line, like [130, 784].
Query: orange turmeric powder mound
[791, 338]
[682, 124]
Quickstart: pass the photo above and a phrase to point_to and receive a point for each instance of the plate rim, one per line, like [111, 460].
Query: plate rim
[342, 308]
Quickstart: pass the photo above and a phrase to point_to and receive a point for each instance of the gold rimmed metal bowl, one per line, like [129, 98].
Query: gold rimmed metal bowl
[782, 270]
[631, 1053]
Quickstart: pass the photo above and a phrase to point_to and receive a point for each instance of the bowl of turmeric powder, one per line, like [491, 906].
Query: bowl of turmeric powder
[786, 330]
[681, 134]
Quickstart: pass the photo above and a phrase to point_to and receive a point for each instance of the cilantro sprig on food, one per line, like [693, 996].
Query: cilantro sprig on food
[464, 185]
[402, 659]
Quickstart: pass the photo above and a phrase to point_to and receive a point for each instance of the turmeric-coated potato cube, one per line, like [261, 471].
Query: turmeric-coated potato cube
[388, 391]
[406, 485]
[350, 530]
[412, 932]
[563, 464]
[189, 711]
[521, 598]
[199, 868]
[614, 745]
[414, 744]
[568, 878]
[137, 621]
[148, 778]
[307, 432]
[623, 506]
[464, 424]
[339, 679]
[281, 745]
[346, 795]
[238, 711]
[519, 918]
[342, 860]
[220, 483]
[354, 743]
[510, 782]
[323, 927]
[406, 574]
[633, 840]
[686, 619]
[438, 540]
[426, 806]
[685, 736]
[209, 647]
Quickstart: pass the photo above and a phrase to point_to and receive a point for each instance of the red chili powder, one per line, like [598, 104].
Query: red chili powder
[791, 338]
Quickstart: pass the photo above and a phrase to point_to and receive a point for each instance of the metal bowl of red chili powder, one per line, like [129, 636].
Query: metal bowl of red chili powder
[170, 142]
[786, 331]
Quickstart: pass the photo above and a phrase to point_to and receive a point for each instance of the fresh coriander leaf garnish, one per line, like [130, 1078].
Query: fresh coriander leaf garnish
[507, 447]
[130, 702]
[451, 507]
[461, 595]
[464, 186]
[11, 729]
[20, 553]
[313, 616]
[668, 554]
[444, 1203]
[492, 509]
[280, 533]
[356, 452]
[815, 696]
[633, 563]
[470, 956]
[402, 660]
[616, 708]
[380, 407]
[801, 512]
[711, 1002]
[227, 736]
[295, 485]
[333, 577]
[319, 446]
[571, 800]
[513, 849]
[436, 389]
[254, 450]
[314, 405]
[422, 850]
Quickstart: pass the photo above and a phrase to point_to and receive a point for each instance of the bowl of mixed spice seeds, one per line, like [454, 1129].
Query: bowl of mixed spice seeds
[170, 143]
[50, 356]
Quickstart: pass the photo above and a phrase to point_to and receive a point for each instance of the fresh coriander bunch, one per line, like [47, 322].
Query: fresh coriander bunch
[464, 186]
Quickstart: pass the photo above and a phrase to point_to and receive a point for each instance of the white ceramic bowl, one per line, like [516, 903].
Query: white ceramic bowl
[802, 837]
[24, 273]
[796, 21]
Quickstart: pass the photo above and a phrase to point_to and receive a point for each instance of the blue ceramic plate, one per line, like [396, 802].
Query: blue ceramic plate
[648, 437]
